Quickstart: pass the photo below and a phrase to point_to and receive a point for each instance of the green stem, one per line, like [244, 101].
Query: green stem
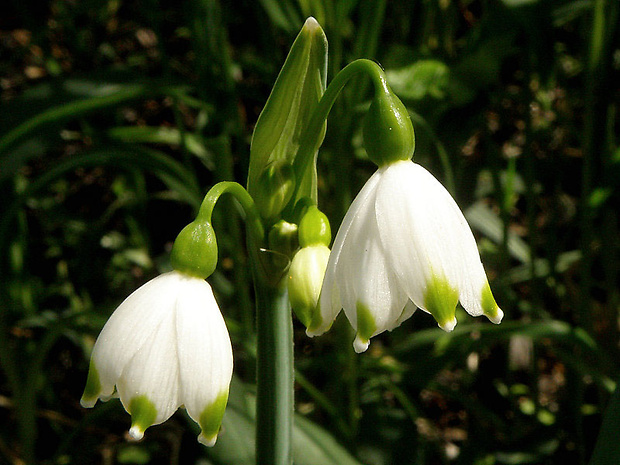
[256, 230]
[307, 145]
[275, 375]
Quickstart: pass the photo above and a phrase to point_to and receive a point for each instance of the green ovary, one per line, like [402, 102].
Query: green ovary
[366, 325]
[440, 300]
[143, 412]
[211, 417]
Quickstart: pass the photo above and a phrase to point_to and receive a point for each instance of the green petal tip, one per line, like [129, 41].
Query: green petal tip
[210, 419]
[360, 344]
[208, 441]
[448, 326]
[440, 301]
[143, 414]
[489, 307]
[92, 388]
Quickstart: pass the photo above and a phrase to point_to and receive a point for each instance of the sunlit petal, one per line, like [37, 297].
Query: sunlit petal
[204, 349]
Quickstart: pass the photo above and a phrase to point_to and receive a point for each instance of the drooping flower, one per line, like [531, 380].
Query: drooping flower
[403, 243]
[165, 346]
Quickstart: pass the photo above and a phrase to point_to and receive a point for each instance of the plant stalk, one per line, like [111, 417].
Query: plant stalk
[275, 375]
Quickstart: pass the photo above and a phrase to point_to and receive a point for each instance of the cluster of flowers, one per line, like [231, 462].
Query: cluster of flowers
[403, 244]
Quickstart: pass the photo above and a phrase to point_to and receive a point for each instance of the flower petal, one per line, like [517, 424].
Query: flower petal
[371, 296]
[152, 377]
[129, 327]
[329, 300]
[368, 292]
[428, 237]
[205, 357]
[153, 374]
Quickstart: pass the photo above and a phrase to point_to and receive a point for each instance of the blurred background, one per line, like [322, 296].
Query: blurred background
[116, 116]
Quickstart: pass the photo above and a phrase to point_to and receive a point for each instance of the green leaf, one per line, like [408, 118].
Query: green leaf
[283, 13]
[81, 97]
[235, 446]
[180, 180]
[294, 97]
[164, 135]
[424, 78]
[486, 221]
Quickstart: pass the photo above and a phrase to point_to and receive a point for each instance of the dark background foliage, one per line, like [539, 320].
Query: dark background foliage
[116, 116]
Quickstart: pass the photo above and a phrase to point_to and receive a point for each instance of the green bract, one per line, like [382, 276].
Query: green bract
[388, 132]
[195, 250]
[275, 188]
[275, 141]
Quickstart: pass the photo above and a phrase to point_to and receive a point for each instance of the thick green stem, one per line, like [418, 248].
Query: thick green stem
[275, 375]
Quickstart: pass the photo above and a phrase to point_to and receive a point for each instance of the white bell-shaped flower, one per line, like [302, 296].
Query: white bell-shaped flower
[403, 243]
[165, 346]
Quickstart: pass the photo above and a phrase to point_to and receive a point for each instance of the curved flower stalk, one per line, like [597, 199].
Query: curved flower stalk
[403, 243]
[165, 346]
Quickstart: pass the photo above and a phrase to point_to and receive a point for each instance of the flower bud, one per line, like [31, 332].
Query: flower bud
[387, 129]
[314, 228]
[305, 279]
[195, 250]
[276, 138]
[309, 263]
[283, 238]
[276, 186]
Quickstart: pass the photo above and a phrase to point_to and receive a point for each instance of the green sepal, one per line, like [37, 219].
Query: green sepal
[440, 301]
[195, 250]
[387, 129]
[314, 228]
[210, 419]
[295, 95]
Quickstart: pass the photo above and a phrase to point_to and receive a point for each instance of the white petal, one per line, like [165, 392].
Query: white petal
[428, 235]
[153, 373]
[408, 311]
[204, 348]
[131, 325]
[364, 278]
[329, 300]
[358, 272]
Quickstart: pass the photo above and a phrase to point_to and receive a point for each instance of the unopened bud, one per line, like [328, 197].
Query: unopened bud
[305, 279]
